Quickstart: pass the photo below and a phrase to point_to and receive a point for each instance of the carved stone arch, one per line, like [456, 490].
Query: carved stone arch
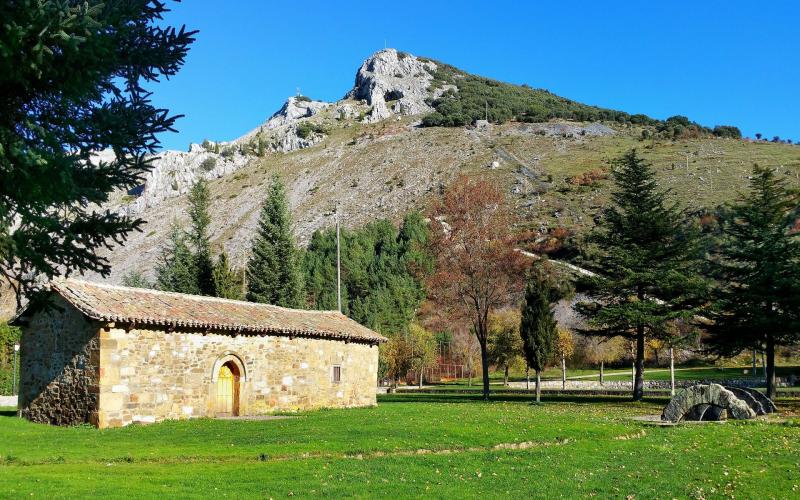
[685, 401]
[225, 357]
[748, 398]
[766, 403]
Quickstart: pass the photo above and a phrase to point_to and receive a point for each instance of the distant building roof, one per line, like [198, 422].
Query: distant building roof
[140, 306]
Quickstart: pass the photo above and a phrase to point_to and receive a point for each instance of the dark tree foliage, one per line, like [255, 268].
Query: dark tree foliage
[273, 271]
[538, 327]
[650, 258]
[176, 270]
[199, 238]
[381, 272]
[71, 84]
[757, 270]
[9, 335]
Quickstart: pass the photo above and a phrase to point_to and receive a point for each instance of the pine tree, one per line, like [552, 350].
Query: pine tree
[273, 271]
[538, 327]
[650, 261]
[226, 283]
[72, 76]
[176, 271]
[757, 268]
[199, 238]
[135, 279]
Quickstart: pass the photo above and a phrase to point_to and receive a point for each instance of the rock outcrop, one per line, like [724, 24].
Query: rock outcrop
[174, 172]
[393, 82]
[388, 83]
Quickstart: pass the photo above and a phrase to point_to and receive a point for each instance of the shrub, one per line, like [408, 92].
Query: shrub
[306, 129]
[208, 164]
[590, 178]
[728, 131]
[302, 98]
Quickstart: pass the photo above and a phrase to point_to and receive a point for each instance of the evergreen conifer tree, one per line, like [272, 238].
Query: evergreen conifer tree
[273, 271]
[757, 268]
[199, 238]
[226, 284]
[73, 78]
[538, 327]
[176, 271]
[650, 262]
[135, 279]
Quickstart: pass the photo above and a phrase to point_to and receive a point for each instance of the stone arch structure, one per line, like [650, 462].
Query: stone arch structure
[766, 403]
[687, 401]
[748, 398]
[235, 359]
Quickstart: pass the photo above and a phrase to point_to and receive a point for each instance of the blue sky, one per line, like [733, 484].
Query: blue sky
[717, 62]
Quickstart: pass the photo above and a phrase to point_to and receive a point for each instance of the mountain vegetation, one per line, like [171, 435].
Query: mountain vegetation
[468, 98]
[382, 271]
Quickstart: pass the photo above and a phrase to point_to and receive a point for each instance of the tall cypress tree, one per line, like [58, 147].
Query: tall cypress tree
[538, 327]
[757, 267]
[199, 238]
[650, 263]
[176, 270]
[273, 271]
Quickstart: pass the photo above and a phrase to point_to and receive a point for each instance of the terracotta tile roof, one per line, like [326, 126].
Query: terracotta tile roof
[141, 306]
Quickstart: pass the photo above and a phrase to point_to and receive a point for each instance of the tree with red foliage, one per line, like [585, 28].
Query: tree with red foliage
[477, 267]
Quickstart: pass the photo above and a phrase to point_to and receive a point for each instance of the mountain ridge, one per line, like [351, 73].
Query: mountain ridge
[370, 152]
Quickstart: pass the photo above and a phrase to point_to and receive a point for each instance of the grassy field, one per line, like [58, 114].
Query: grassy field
[410, 446]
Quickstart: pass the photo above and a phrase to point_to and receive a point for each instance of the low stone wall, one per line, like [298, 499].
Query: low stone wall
[151, 375]
[592, 385]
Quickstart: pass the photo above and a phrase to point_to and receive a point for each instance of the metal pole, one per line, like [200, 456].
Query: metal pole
[755, 369]
[14, 380]
[338, 265]
[671, 371]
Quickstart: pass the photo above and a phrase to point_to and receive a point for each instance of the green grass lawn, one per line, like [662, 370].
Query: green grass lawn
[409, 446]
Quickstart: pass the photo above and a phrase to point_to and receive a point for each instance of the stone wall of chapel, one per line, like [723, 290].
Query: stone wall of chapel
[151, 375]
[59, 367]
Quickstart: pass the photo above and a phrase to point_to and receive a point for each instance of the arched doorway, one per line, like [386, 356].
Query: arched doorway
[227, 400]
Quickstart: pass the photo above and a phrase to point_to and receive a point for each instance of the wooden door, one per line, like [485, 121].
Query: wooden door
[225, 390]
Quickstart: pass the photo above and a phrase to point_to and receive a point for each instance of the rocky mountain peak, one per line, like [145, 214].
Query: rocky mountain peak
[295, 108]
[393, 82]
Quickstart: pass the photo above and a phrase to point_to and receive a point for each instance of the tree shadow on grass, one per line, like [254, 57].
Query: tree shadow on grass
[512, 398]
[8, 412]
